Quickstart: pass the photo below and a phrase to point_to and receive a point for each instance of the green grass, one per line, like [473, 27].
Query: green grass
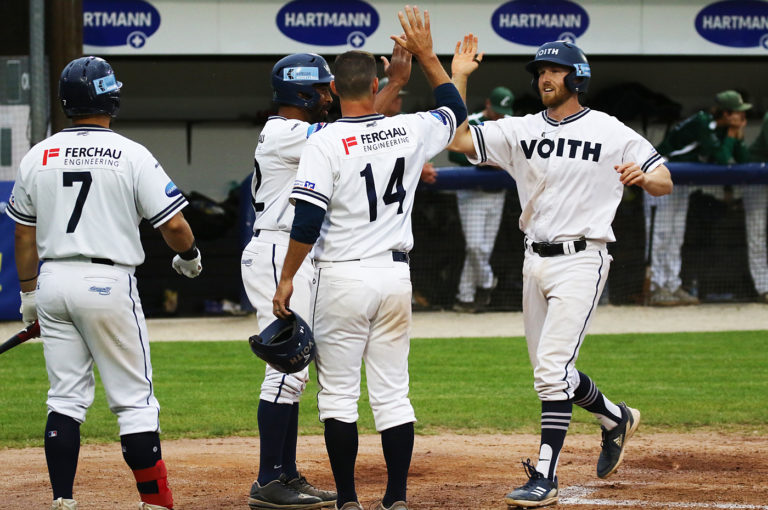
[681, 381]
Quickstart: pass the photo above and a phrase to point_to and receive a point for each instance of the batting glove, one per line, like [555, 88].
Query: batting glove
[189, 268]
[28, 307]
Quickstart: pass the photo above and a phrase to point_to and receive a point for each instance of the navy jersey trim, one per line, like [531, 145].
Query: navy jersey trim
[650, 161]
[87, 127]
[141, 340]
[177, 204]
[363, 118]
[571, 118]
[311, 193]
[480, 143]
[276, 117]
[16, 215]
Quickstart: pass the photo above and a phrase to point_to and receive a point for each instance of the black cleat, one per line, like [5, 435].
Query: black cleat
[538, 491]
[615, 440]
[277, 495]
[301, 484]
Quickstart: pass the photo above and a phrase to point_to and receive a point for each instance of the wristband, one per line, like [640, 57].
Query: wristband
[190, 253]
[28, 279]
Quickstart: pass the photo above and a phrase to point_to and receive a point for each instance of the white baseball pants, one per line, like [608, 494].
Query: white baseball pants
[480, 214]
[260, 266]
[363, 312]
[92, 313]
[560, 296]
[755, 198]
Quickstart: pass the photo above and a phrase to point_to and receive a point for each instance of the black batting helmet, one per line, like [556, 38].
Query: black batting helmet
[88, 87]
[287, 344]
[567, 54]
[294, 78]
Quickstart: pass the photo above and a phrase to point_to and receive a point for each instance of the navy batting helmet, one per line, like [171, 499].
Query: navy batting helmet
[566, 54]
[294, 78]
[88, 87]
[287, 344]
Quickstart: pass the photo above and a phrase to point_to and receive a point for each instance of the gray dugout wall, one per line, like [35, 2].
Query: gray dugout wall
[201, 116]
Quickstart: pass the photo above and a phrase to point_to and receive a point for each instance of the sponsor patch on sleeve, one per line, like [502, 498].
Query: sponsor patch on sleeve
[304, 184]
[439, 116]
[171, 190]
[314, 128]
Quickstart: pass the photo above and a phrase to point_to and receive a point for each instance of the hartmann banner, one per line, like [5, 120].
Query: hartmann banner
[515, 27]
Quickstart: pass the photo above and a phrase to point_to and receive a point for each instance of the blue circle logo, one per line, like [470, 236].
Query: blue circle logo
[171, 190]
[532, 22]
[734, 23]
[119, 22]
[328, 23]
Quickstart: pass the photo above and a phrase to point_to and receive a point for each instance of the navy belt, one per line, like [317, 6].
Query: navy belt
[401, 256]
[106, 262]
[555, 249]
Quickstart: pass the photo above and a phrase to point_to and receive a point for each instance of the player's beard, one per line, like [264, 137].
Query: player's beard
[556, 98]
[320, 112]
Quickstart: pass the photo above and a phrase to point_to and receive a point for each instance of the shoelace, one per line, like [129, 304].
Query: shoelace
[533, 475]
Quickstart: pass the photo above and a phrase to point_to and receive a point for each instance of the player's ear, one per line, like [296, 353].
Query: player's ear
[375, 85]
[333, 87]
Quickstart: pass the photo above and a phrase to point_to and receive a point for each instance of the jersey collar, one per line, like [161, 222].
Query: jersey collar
[570, 118]
[87, 127]
[363, 118]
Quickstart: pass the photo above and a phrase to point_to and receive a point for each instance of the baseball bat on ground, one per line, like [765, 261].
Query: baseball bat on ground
[31, 331]
[647, 281]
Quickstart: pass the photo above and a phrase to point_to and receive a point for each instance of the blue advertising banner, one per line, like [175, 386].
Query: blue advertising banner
[9, 280]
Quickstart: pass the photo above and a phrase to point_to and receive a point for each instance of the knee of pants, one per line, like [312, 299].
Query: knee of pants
[555, 387]
[136, 420]
[74, 408]
[391, 414]
[338, 407]
[280, 388]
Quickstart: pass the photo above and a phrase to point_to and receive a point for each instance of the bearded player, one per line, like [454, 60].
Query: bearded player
[570, 164]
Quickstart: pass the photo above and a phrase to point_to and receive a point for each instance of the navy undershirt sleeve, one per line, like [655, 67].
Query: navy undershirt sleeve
[307, 220]
[447, 95]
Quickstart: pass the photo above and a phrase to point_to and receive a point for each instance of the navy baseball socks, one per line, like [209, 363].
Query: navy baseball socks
[62, 448]
[341, 442]
[144, 456]
[397, 445]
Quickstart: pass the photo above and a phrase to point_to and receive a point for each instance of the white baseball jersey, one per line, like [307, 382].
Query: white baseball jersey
[564, 171]
[275, 163]
[364, 172]
[86, 189]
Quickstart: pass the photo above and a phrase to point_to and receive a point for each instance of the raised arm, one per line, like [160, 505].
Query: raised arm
[465, 61]
[398, 70]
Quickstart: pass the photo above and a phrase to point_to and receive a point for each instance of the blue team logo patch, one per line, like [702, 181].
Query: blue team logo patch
[328, 22]
[314, 128]
[304, 184]
[301, 74]
[106, 84]
[439, 116]
[533, 22]
[734, 23]
[102, 291]
[583, 70]
[171, 190]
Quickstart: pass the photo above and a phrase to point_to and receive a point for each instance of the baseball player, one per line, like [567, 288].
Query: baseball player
[354, 190]
[716, 137]
[300, 85]
[77, 202]
[480, 214]
[570, 164]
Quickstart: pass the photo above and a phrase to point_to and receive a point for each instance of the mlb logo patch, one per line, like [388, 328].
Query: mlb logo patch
[49, 153]
[53, 433]
[348, 142]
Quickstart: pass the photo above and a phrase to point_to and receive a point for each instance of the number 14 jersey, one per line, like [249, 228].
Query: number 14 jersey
[364, 171]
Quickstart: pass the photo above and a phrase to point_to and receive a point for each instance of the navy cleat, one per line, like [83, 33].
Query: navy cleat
[615, 440]
[538, 491]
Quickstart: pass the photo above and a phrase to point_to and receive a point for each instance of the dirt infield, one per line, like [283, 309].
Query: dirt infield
[697, 470]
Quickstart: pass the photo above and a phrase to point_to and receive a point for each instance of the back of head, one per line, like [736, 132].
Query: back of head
[88, 87]
[354, 72]
[566, 54]
[294, 78]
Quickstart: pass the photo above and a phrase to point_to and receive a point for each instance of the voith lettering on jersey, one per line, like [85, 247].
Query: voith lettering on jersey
[50, 153]
[562, 148]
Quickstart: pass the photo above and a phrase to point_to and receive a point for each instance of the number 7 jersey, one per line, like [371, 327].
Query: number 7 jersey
[86, 189]
[364, 171]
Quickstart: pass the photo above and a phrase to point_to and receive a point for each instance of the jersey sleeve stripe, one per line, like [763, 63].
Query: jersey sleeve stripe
[311, 193]
[172, 209]
[447, 115]
[480, 143]
[650, 162]
[18, 217]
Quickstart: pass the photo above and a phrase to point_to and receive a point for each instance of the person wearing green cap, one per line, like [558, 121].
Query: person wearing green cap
[755, 198]
[715, 136]
[480, 213]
